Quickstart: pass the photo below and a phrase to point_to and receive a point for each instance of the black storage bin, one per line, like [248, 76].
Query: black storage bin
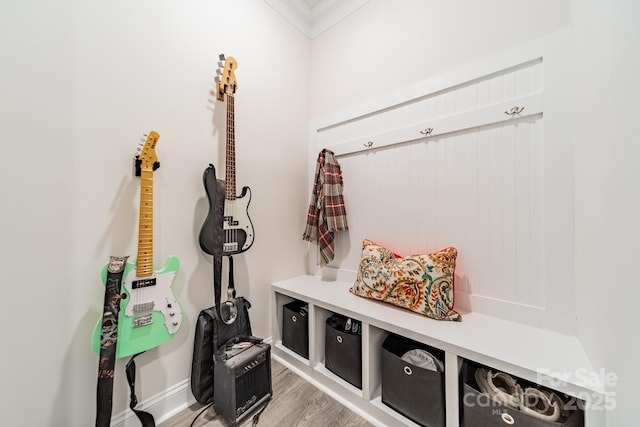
[479, 410]
[415, 392]
[343, 349]
[295, 327]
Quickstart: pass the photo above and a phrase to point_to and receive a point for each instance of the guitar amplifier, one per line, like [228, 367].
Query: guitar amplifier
[242, 380]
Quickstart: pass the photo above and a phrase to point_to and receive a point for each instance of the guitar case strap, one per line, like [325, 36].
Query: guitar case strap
[108, 339]
[217, 289]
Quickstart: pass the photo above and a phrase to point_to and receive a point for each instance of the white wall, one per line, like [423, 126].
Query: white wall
[79, 83]
[385, 49]
[607, 201]
[382, 50]
[388, 45]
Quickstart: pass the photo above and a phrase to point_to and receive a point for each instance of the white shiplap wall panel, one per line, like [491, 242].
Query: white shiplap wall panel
[473, 190]
[481, 182]
[519, 81]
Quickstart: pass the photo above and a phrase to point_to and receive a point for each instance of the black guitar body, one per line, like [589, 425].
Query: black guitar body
[207, 231]
[238, 229]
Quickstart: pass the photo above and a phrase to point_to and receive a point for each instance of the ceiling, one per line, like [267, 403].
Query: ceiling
[313, 17]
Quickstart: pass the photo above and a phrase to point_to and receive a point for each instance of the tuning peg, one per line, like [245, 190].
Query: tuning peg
[220, 64]
[217, 79]
[221, 56]
[219, 72]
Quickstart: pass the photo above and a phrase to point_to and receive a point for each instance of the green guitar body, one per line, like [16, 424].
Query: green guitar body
[150, 314]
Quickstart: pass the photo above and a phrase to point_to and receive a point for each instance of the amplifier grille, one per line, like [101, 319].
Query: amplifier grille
[242, 382]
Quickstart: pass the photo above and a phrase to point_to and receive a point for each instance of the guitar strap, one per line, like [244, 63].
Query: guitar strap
[108, 339]
[146, 419]
[217, 239]
[226, 313]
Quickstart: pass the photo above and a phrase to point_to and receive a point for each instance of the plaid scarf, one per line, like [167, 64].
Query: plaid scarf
[327, 212]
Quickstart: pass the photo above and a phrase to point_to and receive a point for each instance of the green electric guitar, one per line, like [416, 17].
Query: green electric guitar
[149, 314]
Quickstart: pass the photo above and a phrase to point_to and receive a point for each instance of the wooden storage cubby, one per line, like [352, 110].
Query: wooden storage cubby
[521, 350]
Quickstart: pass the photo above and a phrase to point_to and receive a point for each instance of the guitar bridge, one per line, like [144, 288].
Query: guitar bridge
[144, 320]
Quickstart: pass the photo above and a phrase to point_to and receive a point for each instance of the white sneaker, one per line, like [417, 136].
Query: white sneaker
[503, 389]
[540, 404]
[500, 387]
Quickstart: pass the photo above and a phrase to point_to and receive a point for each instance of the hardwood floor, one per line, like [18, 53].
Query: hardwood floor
[295, 402]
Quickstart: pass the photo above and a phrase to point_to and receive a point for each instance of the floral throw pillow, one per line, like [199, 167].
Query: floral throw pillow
[420, 283]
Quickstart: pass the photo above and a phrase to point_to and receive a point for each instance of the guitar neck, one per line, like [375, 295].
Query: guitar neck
[144, 262]
[230, 170]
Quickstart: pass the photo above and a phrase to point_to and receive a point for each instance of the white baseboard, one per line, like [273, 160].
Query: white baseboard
[163, 405]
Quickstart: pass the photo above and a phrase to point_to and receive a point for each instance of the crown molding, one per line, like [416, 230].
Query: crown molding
[313, 21]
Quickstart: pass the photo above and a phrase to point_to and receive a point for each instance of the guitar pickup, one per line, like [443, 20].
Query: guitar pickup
[230, 247]
[143, 283]
[143, 320]
[142, 314]
[145, 307]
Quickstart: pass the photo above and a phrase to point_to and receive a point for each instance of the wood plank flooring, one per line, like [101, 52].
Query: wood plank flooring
[295, 402]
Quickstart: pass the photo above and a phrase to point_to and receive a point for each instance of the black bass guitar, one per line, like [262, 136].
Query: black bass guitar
[238, 228]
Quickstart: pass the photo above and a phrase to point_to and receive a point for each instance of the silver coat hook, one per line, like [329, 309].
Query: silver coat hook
[427, 131]
[514, 110]
[368, 144]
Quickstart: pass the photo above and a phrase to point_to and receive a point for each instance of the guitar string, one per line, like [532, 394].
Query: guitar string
[232, 172]
[146, 196]
[145, 249]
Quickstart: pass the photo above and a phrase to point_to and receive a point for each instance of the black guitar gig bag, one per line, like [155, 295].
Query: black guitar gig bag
[211, 334]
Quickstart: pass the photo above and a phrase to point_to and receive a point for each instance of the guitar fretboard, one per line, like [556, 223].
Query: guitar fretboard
[230, 168]
[144, 263]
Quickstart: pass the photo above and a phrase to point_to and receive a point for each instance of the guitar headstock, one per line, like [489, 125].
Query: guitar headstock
[226, 83]
[147, 159]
